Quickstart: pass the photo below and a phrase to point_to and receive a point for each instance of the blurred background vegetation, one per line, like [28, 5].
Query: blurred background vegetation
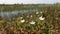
[18, 7]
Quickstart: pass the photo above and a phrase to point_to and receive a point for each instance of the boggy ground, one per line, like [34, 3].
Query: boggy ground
[22, 25]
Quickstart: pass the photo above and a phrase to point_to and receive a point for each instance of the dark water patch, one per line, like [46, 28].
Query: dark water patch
[13, 13]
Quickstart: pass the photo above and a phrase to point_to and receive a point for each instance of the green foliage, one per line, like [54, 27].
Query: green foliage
[47, 31]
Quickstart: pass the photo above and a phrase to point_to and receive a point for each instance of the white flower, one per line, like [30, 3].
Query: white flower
[56, 18]
[31, 16]
[41, 12]
[41, 18]
[37, 12]
[22, 21]
[27, 16]
[21, 17]
[32, 22]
